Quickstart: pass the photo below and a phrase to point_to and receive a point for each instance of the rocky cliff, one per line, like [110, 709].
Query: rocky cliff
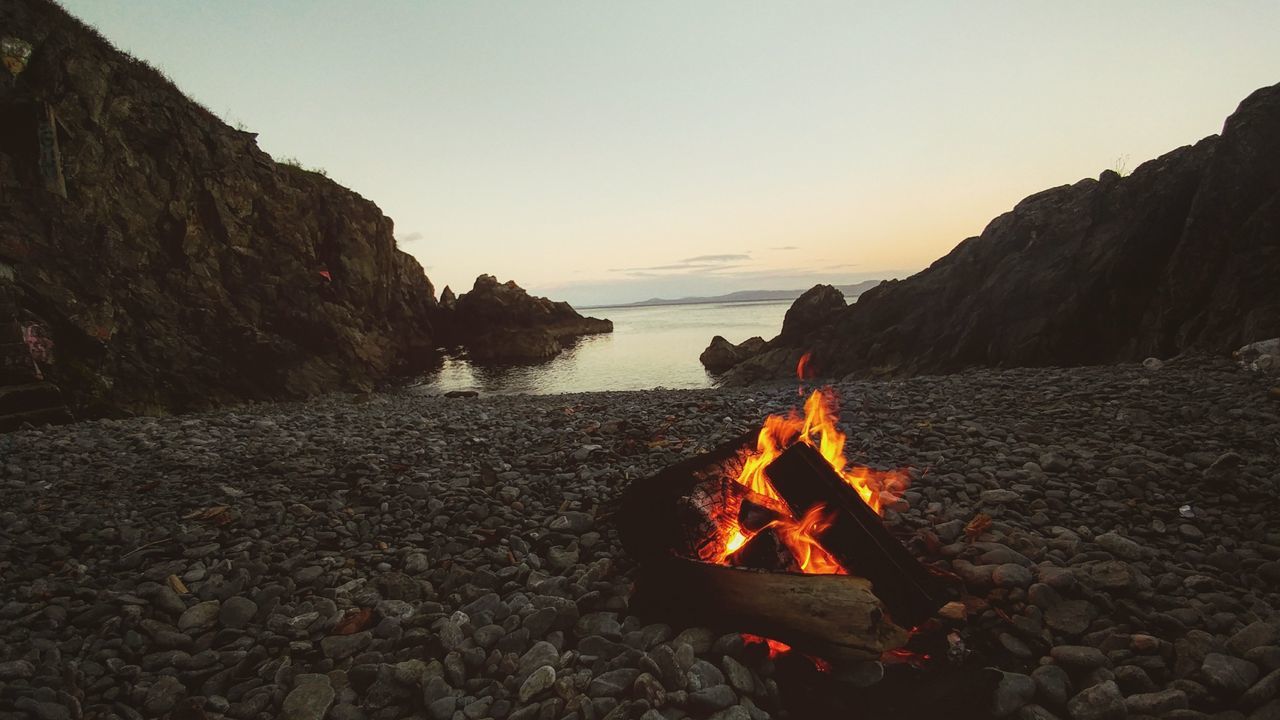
[1182, 254]
[182, 266]
[501, 322]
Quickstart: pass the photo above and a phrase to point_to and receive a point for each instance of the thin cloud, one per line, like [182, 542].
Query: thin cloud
[411, 237]
[677, 270]
[786, 247]
[716, 258]
[698, 263]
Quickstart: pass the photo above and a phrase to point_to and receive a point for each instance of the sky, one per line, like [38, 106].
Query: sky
[599, 152]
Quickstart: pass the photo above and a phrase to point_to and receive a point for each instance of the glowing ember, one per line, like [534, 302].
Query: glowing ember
[775, 648]
[778, 649]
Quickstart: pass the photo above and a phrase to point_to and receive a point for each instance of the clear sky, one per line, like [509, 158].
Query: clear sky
[604, 151]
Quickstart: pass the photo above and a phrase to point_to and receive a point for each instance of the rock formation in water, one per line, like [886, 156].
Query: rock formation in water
[721, 354]
[1183, 254]
[500, 322]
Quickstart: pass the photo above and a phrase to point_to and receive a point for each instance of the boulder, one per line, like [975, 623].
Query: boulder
[815, 308]
[722, 355]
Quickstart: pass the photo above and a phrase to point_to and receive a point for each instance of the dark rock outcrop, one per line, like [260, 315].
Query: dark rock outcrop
[810, 311]
[500, 322]
[721, 354]
[185, 267]
[1184, 254]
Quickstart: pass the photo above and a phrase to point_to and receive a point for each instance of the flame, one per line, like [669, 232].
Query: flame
[802, 368]
[818, 429]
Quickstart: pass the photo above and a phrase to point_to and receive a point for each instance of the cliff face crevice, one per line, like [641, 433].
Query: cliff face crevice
[185, 267]
[1184, 254]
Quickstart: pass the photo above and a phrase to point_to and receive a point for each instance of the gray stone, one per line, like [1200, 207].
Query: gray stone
[699, 638]
[310, 698]
[703, 674]
[735, 712]
[1013, 691]
[164, 695]
[1133, 679]
[1052, 462]
[237, 612]
[711, 699]
[1114, 576]
[998, 497]
[613, 683]
[650, 688]
[562, 558]
[1078, 657]
[538, 681]
[1226, 675]
[1100, 702]
[168, 601]
[45, 710]
[1254, 635]
[574, 523]
[600, 623]
[442, 709]
[541, 653]
[341, 647]
[1156, 703]
[1120, 546]
[1011, 575]
[16, 670]
[1262, 691]
[738, 675]
[417, 564]
[1035, 712]
[199, 617]
[1053, 686]
[1071, 617]
[478, 709]
[540, 621]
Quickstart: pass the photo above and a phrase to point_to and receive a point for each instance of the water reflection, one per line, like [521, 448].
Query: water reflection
[650, 347]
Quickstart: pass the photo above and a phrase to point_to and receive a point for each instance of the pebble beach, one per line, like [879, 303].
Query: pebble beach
[400, 555]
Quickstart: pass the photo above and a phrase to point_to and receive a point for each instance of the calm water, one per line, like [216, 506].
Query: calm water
[650, 347]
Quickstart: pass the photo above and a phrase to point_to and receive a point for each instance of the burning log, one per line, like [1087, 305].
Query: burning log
[855, 535]
[766, 551]
[754, 517]
[832, 616]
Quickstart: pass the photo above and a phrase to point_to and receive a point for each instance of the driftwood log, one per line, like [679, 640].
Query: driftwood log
[833, 616]
[856, 537]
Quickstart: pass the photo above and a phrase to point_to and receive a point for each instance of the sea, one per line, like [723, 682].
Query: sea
[653, 346]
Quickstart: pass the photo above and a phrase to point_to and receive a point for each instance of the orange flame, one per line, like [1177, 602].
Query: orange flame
[802, 368]
[818, 429]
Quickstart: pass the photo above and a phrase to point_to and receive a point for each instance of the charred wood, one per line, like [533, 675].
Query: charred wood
[832, 616]
[856, 536]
